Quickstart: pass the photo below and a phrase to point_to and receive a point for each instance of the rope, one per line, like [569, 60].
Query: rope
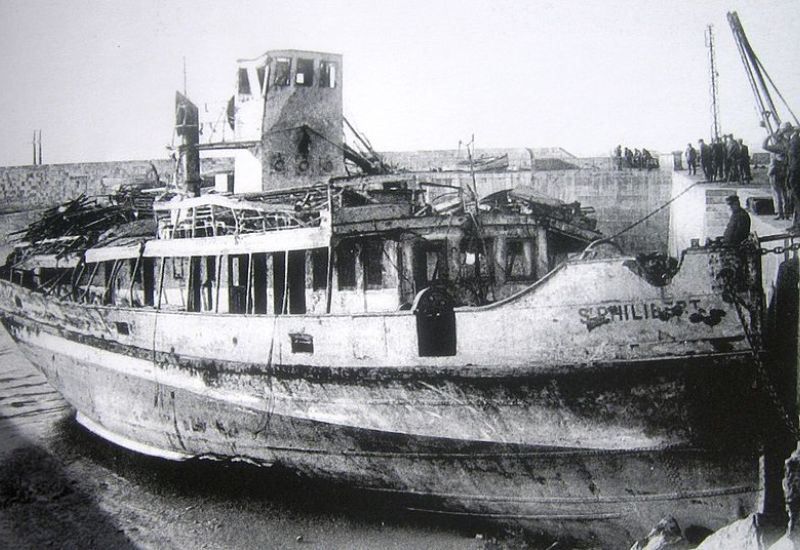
[653, 213]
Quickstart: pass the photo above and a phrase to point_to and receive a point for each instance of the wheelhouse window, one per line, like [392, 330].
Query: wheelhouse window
[519, 260]
[283, 67]
[327, 74]
[430, 262]
[372, 258]
[244, 82]
[346, 254]
[319, 260]
[305, 72]
[238, 268]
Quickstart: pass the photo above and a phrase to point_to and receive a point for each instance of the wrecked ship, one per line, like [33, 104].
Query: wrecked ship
[489, 357]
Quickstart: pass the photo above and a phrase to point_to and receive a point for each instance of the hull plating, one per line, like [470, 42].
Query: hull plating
[604, 453]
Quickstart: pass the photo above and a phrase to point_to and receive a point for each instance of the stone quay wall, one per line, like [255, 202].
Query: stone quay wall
[36, 187]
[619, 197]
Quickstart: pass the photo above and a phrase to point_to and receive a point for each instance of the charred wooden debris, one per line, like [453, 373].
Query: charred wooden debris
[483, 249]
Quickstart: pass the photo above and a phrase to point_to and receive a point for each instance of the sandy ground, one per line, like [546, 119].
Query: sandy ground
[63, 487]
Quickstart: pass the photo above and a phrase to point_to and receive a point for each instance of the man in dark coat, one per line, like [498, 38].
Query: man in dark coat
[718, 158]
[691, 159]
[732, 160]
[738, 228]
[705, 160]
[628, 158]
[744, 162]
[793, 174]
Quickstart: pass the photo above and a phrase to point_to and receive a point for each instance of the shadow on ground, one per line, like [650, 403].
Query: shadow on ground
[274, 491]
[41, 506]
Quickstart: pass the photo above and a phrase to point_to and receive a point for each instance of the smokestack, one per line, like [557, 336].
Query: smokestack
[40, 147]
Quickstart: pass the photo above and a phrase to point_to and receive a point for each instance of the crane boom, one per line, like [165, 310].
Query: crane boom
[760, 81]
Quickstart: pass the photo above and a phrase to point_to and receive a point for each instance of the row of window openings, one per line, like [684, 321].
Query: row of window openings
[304, 75]
[429, 264]
[202, 274]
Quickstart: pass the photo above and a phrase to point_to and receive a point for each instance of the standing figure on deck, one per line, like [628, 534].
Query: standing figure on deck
[732, 160]
[628, 158]
[777, 178]
[705, 160]
[738, 228]
[744, 162]
[778, 145]
[793, 174]
[691, 159]
[618, 157]
[718, 159]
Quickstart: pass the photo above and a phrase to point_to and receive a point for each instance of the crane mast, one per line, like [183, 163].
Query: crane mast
[714, 85]
[760, 81]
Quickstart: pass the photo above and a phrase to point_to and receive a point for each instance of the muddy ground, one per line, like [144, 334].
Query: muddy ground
[63, 487]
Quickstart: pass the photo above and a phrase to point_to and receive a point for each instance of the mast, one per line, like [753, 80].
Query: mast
[714, 85]
[758, 78]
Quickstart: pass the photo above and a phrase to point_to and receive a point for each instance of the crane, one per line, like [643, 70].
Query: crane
[760, 81]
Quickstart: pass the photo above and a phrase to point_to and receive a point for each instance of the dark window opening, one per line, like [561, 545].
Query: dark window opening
[244, 82]
[319, 264]
[518, 261]
[476, 262]
[195, 284]
[109, 272]
[305, 72]
[372, 258]
[291, 299]
[209, 280]
[149, 280]
[302, 343]
[327, 74]
[346, 254]
[282, 69]
[237, 283]
[260, 283]
[261, 72]
[430, 263]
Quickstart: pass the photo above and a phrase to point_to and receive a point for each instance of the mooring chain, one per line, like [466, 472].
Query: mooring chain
[756, 348]
[794, 247]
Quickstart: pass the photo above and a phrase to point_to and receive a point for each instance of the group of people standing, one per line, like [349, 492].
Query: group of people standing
[636, 159]
[724, 159]
[784, 171]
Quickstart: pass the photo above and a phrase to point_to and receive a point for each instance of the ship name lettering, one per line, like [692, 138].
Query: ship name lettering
[638, 311]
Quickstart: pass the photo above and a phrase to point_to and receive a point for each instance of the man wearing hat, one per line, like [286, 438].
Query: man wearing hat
[738, 228]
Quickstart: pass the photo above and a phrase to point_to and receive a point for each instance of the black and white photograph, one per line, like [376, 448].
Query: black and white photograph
[417, 275]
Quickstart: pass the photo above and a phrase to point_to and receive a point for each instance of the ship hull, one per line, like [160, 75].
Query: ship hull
[598, 455]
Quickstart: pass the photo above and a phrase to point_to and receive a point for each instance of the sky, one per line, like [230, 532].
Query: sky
[98, 78]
